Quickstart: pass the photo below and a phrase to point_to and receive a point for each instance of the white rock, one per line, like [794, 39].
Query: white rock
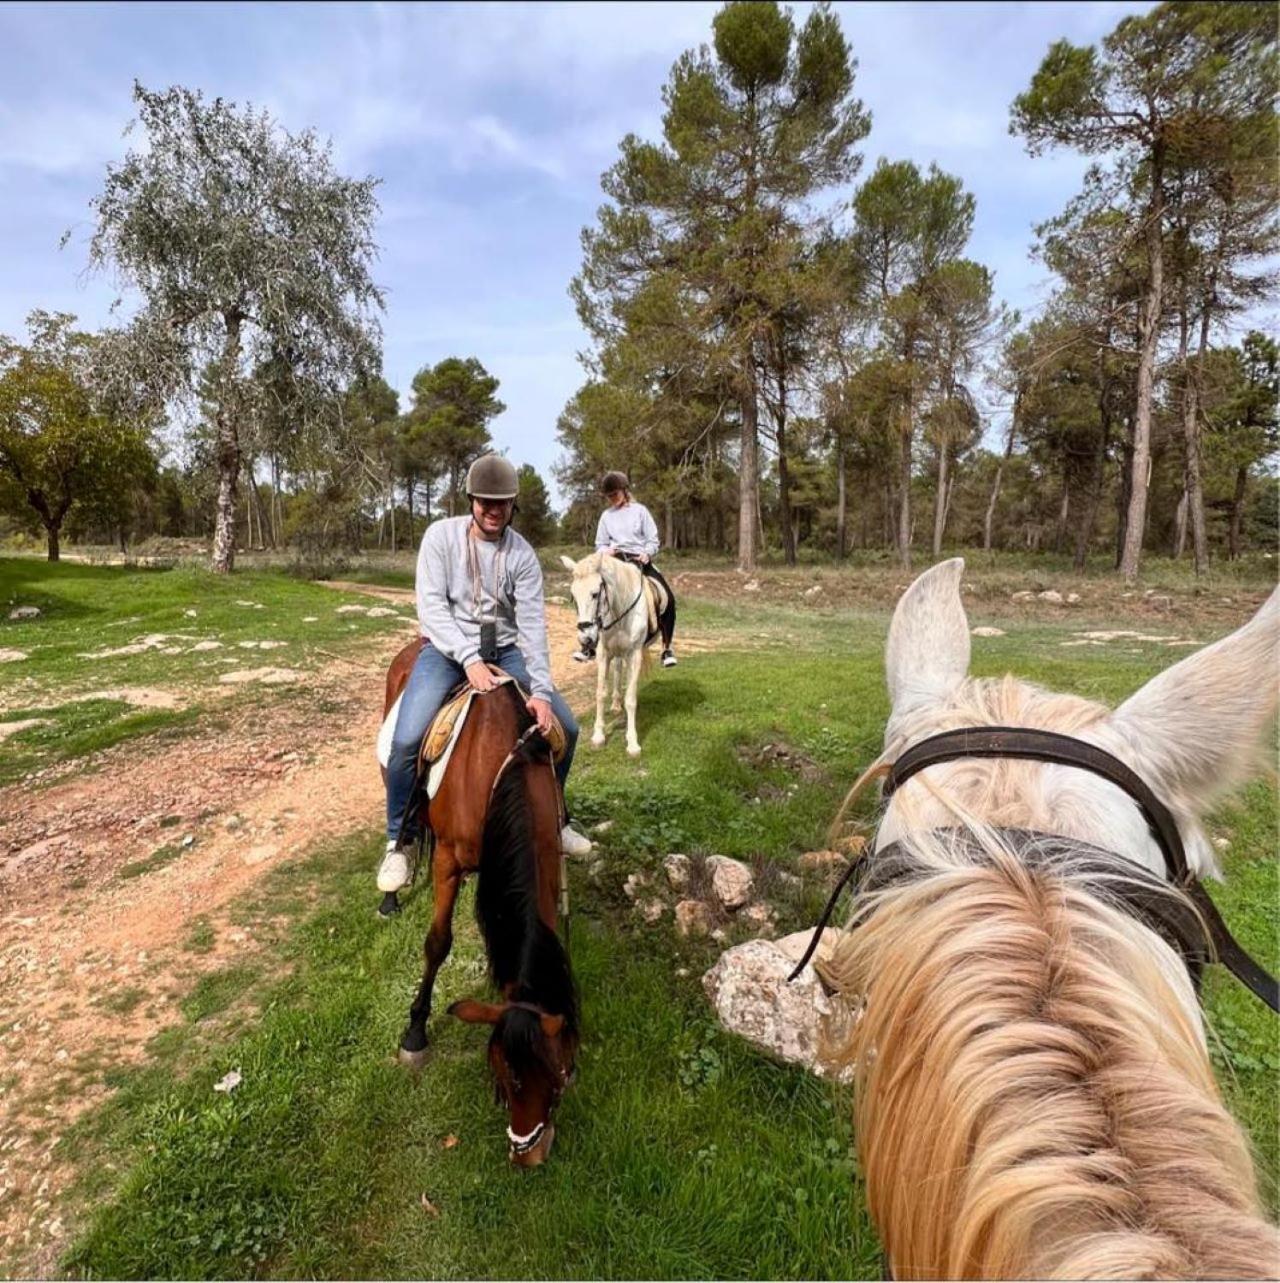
[1221, 843]
[382, 612]
[693, 918]
[25, 612]
[986, 631]
[190, 614]
[814, 591]
[352, 610]
[603, 827]
[311, 619]
[207, 645]
[651, 910]
[1073, 599]
[748, 989]
[678, 869]
[760, 916]
[731, 881]
[1025, 595]
[11, 656]
[1051, 595]
[634, 884]
[228, 1082]
[751, 585]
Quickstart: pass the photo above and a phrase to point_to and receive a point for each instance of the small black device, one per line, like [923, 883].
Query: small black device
[489, 641]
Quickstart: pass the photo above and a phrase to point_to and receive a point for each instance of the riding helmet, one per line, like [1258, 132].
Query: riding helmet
[615, 481]
[492, 477]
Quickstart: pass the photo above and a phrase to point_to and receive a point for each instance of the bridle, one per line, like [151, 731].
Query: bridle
[517, 1144]
[602, 598]
[1065, 750]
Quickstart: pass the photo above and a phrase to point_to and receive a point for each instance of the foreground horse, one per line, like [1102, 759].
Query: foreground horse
[498, 812]
[1034, 1098]
[613, 616]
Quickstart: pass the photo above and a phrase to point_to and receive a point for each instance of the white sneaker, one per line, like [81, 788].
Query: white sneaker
[572, 843]
[393, 872]
[668, 658]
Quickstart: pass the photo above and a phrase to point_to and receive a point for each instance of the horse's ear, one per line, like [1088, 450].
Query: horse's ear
[568, 562]
[1196, 729]
[477, 1013]
[927, 655]
[551, 1025]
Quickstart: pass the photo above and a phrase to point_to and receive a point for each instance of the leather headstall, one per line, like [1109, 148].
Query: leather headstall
[1148, 899]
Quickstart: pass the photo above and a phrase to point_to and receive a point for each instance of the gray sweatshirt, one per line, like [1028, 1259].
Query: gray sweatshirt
[447, 610]
[628, 529]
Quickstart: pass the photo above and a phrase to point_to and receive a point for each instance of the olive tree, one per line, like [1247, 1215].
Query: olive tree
[247, 247]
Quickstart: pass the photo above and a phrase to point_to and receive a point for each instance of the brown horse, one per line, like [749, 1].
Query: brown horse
[497, 813]
[1034, 1096]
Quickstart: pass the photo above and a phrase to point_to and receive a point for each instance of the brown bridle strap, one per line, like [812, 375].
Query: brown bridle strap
[1064, 750]
[1059, 750]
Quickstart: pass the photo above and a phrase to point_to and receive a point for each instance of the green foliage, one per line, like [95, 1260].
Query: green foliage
[251, 254]
[66, 449]
[534, 517]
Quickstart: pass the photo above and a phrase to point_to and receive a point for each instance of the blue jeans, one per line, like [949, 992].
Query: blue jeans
[429, 684]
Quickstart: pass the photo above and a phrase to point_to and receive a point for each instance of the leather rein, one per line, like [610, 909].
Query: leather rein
[1064, 750]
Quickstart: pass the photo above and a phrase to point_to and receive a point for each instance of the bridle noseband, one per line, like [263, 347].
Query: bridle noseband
[602, 598]
[1064, 750]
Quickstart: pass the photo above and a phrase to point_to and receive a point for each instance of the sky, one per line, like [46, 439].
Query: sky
[489, 126]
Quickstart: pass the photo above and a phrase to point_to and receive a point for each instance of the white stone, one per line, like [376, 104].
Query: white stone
[382, 612]
[11, 656]
[693, 918]
[1051, 595]
[678, 869]
[731, 881]
[1073, 599]
[25, 612]
[749, 990]
[207, 645]
[751, 585]
[1025, 595]
[987, 631]
[603, 827]
[814, 591]
[651, 910]
[633, 885]
[352, 610]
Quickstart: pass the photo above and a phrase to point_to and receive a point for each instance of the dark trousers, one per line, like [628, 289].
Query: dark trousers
[666, 620]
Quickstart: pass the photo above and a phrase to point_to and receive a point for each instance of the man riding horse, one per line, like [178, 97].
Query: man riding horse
[479, 588]
[627, 530]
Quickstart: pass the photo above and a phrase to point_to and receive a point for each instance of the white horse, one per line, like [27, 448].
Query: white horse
[613, 617]
[1034, 1092]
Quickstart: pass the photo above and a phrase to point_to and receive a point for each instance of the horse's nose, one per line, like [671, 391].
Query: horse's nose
[539, 1154]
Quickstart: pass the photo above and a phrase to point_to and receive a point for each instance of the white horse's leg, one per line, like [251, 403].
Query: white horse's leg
[602, 686]
[633, 682]
[615, 695]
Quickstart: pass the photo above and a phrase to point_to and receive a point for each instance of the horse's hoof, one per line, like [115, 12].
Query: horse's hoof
[597, 741]
[633, 752]
[412, 1059]
[389, 907]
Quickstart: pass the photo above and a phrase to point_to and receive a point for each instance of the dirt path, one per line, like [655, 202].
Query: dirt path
[103, 875]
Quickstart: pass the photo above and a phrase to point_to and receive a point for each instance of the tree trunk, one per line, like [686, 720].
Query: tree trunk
[227, 453]
[904, 497]
[989, 520]
[1122, 495]
[1084, 531]
[391, 495]
[409, 482]
[1180, 527]
[668, 520]
[1064, 509]
[940, 500]
[52, 532]
[784, 476]
[841, 512]
[1191, 439]
[1148, 341]
[748, 474]
[1237, 512]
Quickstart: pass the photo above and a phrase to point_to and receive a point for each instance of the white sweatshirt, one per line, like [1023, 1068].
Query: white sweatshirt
[628, 529]
[446, 597]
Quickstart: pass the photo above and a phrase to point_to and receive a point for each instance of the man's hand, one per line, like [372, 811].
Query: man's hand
[610, 551]
[541, 711]
[642, 558]
[480, 677]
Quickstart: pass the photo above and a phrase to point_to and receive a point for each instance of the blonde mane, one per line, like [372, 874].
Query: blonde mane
[1034, 1098]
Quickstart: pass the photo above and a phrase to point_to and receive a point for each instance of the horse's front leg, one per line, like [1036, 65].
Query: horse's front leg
[615, 688]
[602, 689]
[447, 878]
[633, 683]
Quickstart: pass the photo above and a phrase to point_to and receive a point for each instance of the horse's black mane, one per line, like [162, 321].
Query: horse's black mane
[524, 953]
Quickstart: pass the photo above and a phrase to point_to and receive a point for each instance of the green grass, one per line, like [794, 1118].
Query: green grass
[87, 610]
[680, 1152]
